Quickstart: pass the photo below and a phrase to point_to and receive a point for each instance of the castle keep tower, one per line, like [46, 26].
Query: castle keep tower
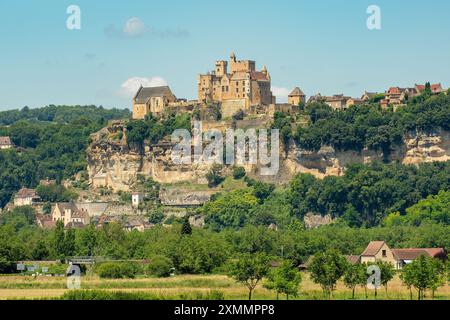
[243, 85]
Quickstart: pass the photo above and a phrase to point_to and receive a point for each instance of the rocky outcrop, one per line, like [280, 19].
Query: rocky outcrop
[427, 148]
[183, 198]
[313, 221]
[418, 148]
[112, 164]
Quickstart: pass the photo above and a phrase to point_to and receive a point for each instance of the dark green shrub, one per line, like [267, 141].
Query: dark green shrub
[238, 173]
[116, 270]
[214, 176]
[160, 266]
[156, 216]
[58, 268]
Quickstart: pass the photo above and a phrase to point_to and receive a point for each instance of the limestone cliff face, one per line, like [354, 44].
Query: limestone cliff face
[418, 148]
[112, 164]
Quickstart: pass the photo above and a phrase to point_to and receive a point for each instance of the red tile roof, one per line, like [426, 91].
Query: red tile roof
[437, 87]
[259, 76]
[352, 259]
[436, 252]
[414, 253]
[373, 248]
[45, 221]
[394, 90]
[26, 193]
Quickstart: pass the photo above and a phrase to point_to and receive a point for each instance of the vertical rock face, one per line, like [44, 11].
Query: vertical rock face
[418, 148]
[113, 165]
[313, 221]
[427, 148]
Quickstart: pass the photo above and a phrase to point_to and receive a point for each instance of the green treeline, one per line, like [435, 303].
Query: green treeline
[51, 143]
[63, 114]
[154, 130]
[365, 126]
[363, 197]
[203, 251]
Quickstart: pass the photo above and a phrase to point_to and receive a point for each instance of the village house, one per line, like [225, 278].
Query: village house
[354, 102]
[70, 214]
[380, 251]
[435, 88]
[103, 220]
[353, 259]
[5, 143]
[368, 95]
[25, 197]
[136, 225]
[316, 98]
[137, 198]
[397, 96]
[152, 100]
[297, 97]
[45, 221]
[337, 102]
[241, 84]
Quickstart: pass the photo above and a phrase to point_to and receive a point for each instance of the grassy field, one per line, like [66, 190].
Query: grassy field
[186, 287]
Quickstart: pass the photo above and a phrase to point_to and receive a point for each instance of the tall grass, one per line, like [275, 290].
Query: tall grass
[123, 295]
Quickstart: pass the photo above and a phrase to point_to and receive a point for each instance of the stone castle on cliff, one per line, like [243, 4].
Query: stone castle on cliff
[235, 85]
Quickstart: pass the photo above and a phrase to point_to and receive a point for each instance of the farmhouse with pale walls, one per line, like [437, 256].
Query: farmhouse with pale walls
[25, 197]
[380, 251]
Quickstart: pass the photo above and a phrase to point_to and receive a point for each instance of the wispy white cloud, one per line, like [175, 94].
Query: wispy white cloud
[129, 88]
[281, 93]
[136, 28]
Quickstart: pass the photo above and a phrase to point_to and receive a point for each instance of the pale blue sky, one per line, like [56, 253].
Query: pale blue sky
[320, 46]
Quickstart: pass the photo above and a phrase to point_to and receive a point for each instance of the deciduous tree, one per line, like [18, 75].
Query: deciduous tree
[249, 270]
[326, 269]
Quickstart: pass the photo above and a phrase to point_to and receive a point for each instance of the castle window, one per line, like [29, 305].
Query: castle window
[384, 253]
